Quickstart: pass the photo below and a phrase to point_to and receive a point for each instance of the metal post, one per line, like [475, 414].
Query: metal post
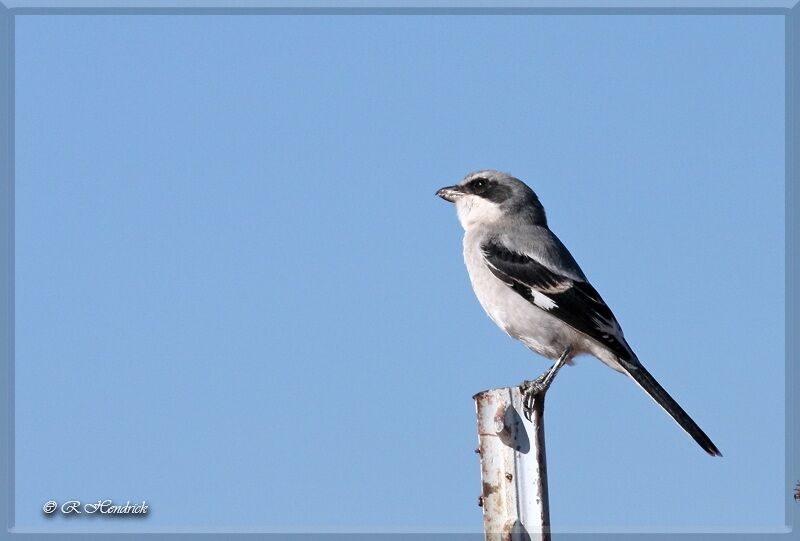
[513, 467]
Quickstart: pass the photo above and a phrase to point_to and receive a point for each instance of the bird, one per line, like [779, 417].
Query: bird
[530, 285]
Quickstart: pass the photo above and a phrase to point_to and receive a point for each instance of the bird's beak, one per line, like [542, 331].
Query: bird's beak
[450, 193]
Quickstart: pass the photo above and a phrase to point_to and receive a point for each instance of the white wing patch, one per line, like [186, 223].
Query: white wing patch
[543, 301]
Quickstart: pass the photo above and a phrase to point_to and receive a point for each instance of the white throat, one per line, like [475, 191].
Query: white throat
[473, 210]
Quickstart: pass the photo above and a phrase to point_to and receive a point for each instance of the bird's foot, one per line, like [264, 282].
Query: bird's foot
[533, 389]
[530, 390]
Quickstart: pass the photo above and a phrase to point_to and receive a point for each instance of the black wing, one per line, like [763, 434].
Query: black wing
[574, 302]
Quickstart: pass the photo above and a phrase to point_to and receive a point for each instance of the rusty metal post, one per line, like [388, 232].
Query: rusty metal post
[513, 467]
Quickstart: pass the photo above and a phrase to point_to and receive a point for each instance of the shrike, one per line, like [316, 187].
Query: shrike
[531, 287]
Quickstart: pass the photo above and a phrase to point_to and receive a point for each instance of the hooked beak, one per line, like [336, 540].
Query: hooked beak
[450, 193]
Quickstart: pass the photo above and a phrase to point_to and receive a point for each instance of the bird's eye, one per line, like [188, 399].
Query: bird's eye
[478, 185]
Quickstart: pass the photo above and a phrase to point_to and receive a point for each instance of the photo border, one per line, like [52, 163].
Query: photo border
[10, 9]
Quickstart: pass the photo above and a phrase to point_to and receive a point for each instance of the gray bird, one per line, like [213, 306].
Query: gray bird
[531, 287]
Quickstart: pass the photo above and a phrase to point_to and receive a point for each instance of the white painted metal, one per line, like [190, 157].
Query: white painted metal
[513, 467]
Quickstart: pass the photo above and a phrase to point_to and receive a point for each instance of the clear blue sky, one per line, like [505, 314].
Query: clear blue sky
[238, 298]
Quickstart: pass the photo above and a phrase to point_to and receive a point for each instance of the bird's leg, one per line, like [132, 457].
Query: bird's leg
[532, 388]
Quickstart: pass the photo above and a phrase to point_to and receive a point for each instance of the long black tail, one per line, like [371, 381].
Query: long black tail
[652, 387]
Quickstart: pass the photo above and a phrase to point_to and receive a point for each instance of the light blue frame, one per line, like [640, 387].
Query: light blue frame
[9, 9]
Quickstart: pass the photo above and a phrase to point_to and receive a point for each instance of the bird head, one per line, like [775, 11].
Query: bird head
[487, 196]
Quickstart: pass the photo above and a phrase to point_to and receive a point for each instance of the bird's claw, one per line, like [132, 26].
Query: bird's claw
[530, 390]
[533, 389]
